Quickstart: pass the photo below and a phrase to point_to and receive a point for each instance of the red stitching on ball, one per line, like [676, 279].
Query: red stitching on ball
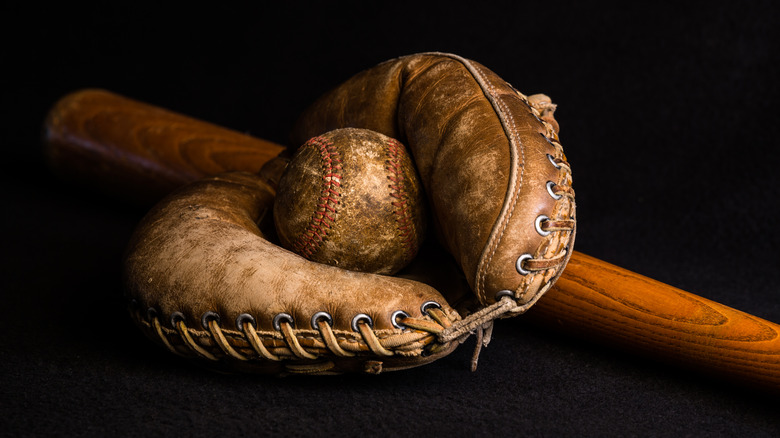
[310, 240]
[405, 224]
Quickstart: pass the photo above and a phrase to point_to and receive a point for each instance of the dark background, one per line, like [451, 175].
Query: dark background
[669, 117]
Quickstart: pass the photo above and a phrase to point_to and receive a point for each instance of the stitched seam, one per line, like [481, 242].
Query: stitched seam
[509, 126]
[516, 177]
[404, 221]
[514, 190]
[324, 216]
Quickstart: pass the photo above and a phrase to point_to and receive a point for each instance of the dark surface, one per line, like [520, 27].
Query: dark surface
[668, 116]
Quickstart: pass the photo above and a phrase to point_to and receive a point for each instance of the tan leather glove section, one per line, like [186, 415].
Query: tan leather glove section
[206, 282]
[495, 175]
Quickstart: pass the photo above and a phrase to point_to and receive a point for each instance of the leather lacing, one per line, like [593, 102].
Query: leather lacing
[481, 322]
[439, 325]
[561, 191]
[423, 331]
[418, 333]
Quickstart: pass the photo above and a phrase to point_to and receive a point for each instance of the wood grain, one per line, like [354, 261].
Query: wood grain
[137, 151]
[611, 305]
[141, 152]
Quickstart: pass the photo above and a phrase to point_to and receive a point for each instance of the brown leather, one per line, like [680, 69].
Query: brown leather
[198, 262]
[485, 157]
[351, 198]
[206, 282]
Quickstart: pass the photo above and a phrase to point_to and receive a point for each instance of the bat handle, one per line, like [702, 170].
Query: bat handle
[136, 151]
[614, 306]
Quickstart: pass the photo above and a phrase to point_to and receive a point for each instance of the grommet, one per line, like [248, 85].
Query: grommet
[552, 160]
[504, 293]
[176, 317]
[519, 264]
[394, 319]
[427, 304]
[242, 318]
[151, 313]
[321, 315]
[208, 316]
[359, 317]
[550, 186]
[282, 317]
[538, 224]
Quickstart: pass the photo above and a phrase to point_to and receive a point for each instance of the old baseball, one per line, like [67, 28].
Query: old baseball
[352, 198]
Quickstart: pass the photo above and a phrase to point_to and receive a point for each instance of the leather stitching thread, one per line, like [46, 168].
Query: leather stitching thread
[309, 242]
[203, 342]
[405, 224]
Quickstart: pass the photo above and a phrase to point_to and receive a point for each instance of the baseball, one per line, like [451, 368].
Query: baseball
[352, 198]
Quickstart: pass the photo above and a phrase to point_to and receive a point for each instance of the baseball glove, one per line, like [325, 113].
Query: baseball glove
[206, 279]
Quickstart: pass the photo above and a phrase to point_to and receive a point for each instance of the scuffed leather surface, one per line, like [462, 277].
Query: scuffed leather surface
[351, 198]
[482, 156]
[200, 251]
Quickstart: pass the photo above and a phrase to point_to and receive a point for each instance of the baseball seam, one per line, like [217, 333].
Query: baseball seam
[405, 223]
[309, 242]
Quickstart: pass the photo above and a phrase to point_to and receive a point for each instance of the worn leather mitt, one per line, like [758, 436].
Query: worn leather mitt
[206, 280]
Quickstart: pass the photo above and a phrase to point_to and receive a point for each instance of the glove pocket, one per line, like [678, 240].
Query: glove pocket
[204, 282]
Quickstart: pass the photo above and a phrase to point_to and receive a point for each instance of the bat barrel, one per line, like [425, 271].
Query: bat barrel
[611, 305]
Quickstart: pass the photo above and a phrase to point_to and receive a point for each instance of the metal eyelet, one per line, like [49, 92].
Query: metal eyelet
[359, 317]
[504, 293]
[550, 191]
[538, 224]
[394, 319]
[427, 304]
[283, 317]
[176, 317]
[151, 313]
[519, 264]
[208, 316]
[242, 318]
[552, 160]
[321, 315]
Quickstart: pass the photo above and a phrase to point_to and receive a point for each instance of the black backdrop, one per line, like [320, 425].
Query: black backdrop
[668, 113]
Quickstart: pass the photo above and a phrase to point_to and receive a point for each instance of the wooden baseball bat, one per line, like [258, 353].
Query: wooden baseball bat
[142, 153]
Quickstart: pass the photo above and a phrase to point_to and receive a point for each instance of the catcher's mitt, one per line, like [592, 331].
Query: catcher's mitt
[206, 282]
